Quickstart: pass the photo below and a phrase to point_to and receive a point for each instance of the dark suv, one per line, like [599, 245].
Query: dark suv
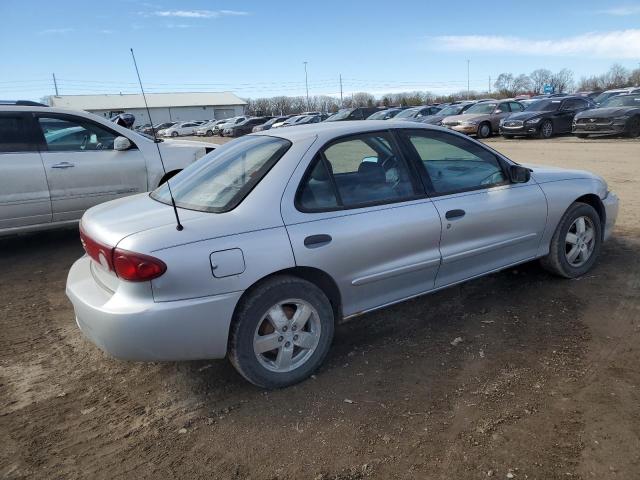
[359, 113]
[245, 127]
[545, 118]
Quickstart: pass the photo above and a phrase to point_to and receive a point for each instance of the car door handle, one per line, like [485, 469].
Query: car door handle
[63, 165]
[454, 214]
[315, 241]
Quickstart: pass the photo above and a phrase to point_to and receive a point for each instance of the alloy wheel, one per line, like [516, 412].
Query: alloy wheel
[580, 241]
[547, 129]
[287, 335]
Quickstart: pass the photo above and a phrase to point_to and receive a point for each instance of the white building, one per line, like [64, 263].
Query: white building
[164, 107]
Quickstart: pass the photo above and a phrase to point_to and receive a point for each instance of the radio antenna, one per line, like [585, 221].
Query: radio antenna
[179, 226]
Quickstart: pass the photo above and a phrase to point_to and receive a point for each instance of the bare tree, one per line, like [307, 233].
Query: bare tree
[617, 76]
[539, 78]
[562, 81]
[504, 84]
[521, 84]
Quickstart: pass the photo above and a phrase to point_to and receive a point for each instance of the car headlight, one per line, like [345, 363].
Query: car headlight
[533, 121]
[469, 123]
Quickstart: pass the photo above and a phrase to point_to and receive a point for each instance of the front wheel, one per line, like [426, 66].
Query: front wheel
[484, 130]
[281, 332]
[209, 133]
[576, 243]
[546, 129]
[174, 134]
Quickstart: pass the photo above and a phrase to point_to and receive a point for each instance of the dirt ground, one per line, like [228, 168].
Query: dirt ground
[545, 383]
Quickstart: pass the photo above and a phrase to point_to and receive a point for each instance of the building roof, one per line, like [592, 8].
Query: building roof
[155, 100]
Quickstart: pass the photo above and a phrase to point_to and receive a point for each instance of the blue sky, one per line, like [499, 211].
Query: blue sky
[257, 48]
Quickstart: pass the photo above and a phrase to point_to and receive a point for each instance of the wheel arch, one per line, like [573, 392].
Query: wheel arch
[318, 277]
[595, 201]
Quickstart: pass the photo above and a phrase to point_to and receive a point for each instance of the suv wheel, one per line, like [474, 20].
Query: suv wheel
[575, 245]
[633, 127]
[281, 332]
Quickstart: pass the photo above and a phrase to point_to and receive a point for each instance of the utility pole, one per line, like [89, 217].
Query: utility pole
[341, 102]
[306, 84]
[489, 83]
[55, 84]
[468, 89]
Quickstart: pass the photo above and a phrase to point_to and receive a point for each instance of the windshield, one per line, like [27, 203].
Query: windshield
[486, 107]
[341, 115]
[408, 113]
[604, 96]
[451, 110]
[544, 106]
[622, 101]
[220, 181]
[383, 114]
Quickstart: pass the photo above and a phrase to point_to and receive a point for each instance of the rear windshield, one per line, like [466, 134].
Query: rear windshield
[544, 106]
[220, 181]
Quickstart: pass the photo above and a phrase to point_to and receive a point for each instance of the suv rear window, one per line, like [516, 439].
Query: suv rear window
[221, 180]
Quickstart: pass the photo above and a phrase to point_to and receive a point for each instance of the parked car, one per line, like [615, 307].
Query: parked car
[483, 118]
[206, 130]
[611, 93]
[447, 111]
[56, 163]
[157, 127]
[219, 128]
[589, 93]
[416, 113]
[359, 113]
[619, 114]
[180, 129]
[269, 124]
[545, 118]
[385, 114]
[291, 121]
[244, 127]
[284, 235]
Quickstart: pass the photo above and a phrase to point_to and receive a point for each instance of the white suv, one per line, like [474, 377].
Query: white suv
[56, 163]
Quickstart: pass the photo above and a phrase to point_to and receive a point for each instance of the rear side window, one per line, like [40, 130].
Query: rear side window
[15, 133]
[355, 172]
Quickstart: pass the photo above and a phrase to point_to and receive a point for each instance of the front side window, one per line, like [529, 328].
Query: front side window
[356, 171]
[516, 107]
[14, 134]
[221, 180]
[75, 135]
[454, 164]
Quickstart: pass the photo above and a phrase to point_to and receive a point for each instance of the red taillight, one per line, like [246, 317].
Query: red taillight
[130, 266]
[136, 267]
[100, 252]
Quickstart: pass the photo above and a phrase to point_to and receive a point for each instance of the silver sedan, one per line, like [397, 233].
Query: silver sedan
[287, 232]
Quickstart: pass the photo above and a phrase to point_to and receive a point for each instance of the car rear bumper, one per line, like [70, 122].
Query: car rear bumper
[129, 325]
[611, 205]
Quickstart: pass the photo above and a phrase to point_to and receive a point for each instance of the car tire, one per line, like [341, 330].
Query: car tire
[561, 250]
[582, 135]
[174, 134]
[633, 127]
[484, 130]
[253, 329]
[209, 133]
[546, 129]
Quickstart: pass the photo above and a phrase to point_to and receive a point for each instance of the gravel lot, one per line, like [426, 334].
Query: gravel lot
[545, 383]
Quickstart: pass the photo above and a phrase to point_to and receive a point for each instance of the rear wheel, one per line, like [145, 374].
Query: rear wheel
[281, 332]
[575, 245]
[633, 127]
[484, 130]
[546, 129]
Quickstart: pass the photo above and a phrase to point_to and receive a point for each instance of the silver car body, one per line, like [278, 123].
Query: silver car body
[379, 255]
[42, 188]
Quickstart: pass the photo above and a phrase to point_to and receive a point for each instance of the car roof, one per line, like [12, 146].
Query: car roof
[337, 129]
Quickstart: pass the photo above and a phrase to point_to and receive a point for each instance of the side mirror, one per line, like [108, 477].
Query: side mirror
[121, 144]
[519, 174]
[498, 111]
[370, 160]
